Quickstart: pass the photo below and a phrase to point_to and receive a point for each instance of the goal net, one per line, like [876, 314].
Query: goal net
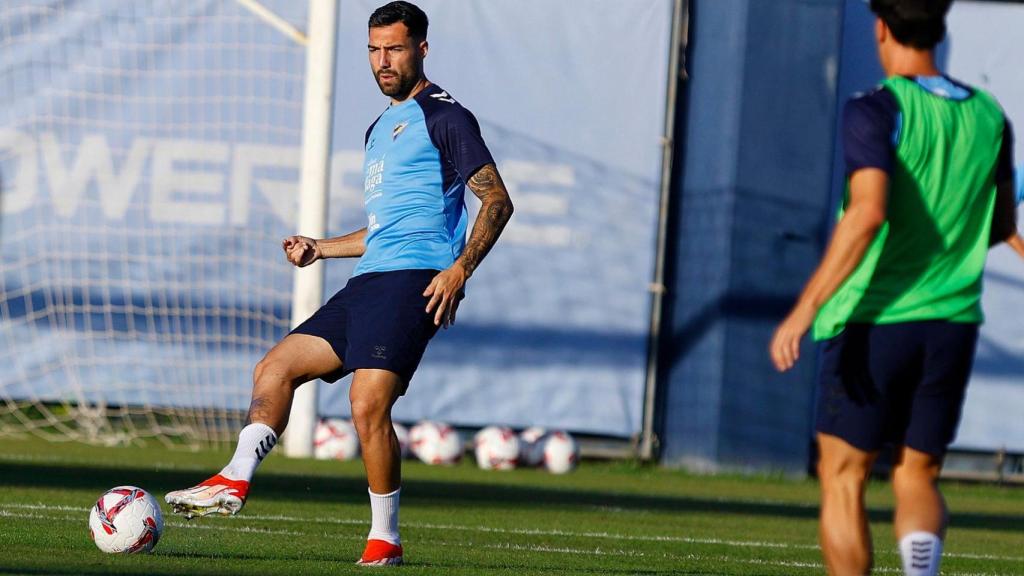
[149, 156]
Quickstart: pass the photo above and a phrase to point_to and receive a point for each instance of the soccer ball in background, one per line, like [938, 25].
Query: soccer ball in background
[561, 453]
[531, 447]
[126, 520]
[335, 439]
[403, 439]
[435, 443]
[496, 448]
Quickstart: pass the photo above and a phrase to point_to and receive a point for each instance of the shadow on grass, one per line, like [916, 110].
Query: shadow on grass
[451, 494]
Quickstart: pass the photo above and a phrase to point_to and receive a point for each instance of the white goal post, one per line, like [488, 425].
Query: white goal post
[317, 123]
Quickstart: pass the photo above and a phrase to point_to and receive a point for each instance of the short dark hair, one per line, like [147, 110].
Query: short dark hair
[405, 12]
[920, 24]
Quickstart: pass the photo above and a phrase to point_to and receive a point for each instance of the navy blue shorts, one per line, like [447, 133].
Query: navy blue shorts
[896, 383]
[378, 320]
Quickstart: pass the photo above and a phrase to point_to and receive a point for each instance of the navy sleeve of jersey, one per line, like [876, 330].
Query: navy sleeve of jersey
[870, 130]
[456, 134]
[1004, 168]
[366, 138]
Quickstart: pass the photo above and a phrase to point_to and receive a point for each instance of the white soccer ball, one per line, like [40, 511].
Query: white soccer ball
[496, 448]
[335, 439]
[126, 520]
[561, 453]
[531, 447]
[403, 439]
[435, 443]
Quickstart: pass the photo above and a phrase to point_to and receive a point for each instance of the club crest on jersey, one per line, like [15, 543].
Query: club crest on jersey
[398, 129]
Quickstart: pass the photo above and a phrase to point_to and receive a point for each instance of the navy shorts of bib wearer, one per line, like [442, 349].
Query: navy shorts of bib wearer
[900, 384]
[378, 320]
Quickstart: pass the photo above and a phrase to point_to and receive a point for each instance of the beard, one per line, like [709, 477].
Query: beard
[399, 85]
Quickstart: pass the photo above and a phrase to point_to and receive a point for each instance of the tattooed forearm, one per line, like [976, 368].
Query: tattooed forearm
[484, 179]
[495, 210]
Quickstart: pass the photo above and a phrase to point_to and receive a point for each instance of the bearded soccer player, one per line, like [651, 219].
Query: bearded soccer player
[421, 154]
[897, 296]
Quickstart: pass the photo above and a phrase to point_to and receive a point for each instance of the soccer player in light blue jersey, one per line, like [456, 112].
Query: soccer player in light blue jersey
[421, 154]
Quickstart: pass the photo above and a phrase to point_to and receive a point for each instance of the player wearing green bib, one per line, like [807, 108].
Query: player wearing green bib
[897, 296]
[925, 262]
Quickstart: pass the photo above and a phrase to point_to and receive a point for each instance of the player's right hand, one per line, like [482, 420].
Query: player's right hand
[301, 251]
[785, 346]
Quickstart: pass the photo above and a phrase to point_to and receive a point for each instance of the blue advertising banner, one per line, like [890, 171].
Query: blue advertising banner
[149, 158]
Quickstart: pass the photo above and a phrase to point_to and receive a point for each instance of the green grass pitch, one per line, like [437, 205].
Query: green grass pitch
[310, 517]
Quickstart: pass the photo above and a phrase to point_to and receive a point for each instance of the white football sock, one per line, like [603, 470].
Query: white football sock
[384, 522]
[921, 552]
[254, 443]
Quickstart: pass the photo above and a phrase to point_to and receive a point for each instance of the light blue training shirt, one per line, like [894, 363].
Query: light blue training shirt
[419, 155]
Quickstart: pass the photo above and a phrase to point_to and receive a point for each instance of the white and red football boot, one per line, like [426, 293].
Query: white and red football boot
[217, 495]
[381, 553]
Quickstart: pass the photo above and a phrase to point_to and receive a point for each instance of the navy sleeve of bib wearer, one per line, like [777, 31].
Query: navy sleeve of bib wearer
[1004, 167]
[870, 131]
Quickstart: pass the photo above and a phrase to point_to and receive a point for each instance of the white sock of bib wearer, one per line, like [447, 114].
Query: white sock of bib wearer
[921, 552]
[384, 522]
[255, 441]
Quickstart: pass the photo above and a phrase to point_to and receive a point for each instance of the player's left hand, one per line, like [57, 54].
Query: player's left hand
[445, 291]
[785, 346]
